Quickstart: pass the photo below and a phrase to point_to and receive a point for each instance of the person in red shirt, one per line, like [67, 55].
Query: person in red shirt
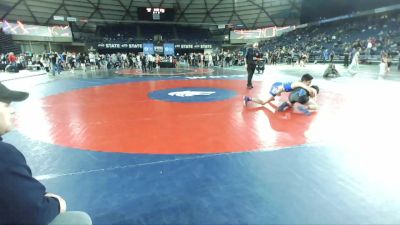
[12, 58]
[12, 63]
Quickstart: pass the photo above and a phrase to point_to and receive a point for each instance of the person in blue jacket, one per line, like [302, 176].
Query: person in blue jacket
[23, 199]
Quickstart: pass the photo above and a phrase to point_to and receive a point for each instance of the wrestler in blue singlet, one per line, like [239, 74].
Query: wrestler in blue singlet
[287, 86]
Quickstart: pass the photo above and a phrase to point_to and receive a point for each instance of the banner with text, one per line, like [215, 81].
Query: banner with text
[169, 49]
[148, 48]
[119, 46]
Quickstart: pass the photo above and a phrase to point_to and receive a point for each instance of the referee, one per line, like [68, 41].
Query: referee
[252, 55]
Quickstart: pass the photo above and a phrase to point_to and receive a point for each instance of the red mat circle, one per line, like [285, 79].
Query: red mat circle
[122, 118]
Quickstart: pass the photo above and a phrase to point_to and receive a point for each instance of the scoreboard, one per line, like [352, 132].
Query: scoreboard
[154, 14]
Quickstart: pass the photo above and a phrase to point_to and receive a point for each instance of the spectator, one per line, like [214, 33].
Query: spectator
[330, 71]
[12, 66]
[331, 56]
[12, 58]
[346, 54]
[383, 66]
[354, 66]
[23, 199]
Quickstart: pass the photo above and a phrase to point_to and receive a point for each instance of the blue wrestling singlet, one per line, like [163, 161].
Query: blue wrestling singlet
[275, 89]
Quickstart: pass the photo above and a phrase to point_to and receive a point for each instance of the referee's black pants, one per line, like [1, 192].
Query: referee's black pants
[251, 67]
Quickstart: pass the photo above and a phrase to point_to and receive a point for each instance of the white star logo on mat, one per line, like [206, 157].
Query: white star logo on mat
[190, 93]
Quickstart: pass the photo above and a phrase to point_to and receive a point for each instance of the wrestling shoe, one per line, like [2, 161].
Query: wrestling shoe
[283, 107]
[304, 110]
[246, 100]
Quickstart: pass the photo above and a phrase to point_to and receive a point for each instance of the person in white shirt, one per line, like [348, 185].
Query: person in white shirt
[210, 60]
[92, 60]
[383, 66]
[139, 62]
[354, 66]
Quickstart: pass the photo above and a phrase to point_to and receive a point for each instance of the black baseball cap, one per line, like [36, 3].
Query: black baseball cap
[8, 96]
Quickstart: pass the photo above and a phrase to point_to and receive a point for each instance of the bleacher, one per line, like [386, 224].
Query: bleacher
[147, 32]
[7, 44]
[193, 34]
[336, 36]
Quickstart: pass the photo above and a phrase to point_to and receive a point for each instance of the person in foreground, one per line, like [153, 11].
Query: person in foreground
[23, 199]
